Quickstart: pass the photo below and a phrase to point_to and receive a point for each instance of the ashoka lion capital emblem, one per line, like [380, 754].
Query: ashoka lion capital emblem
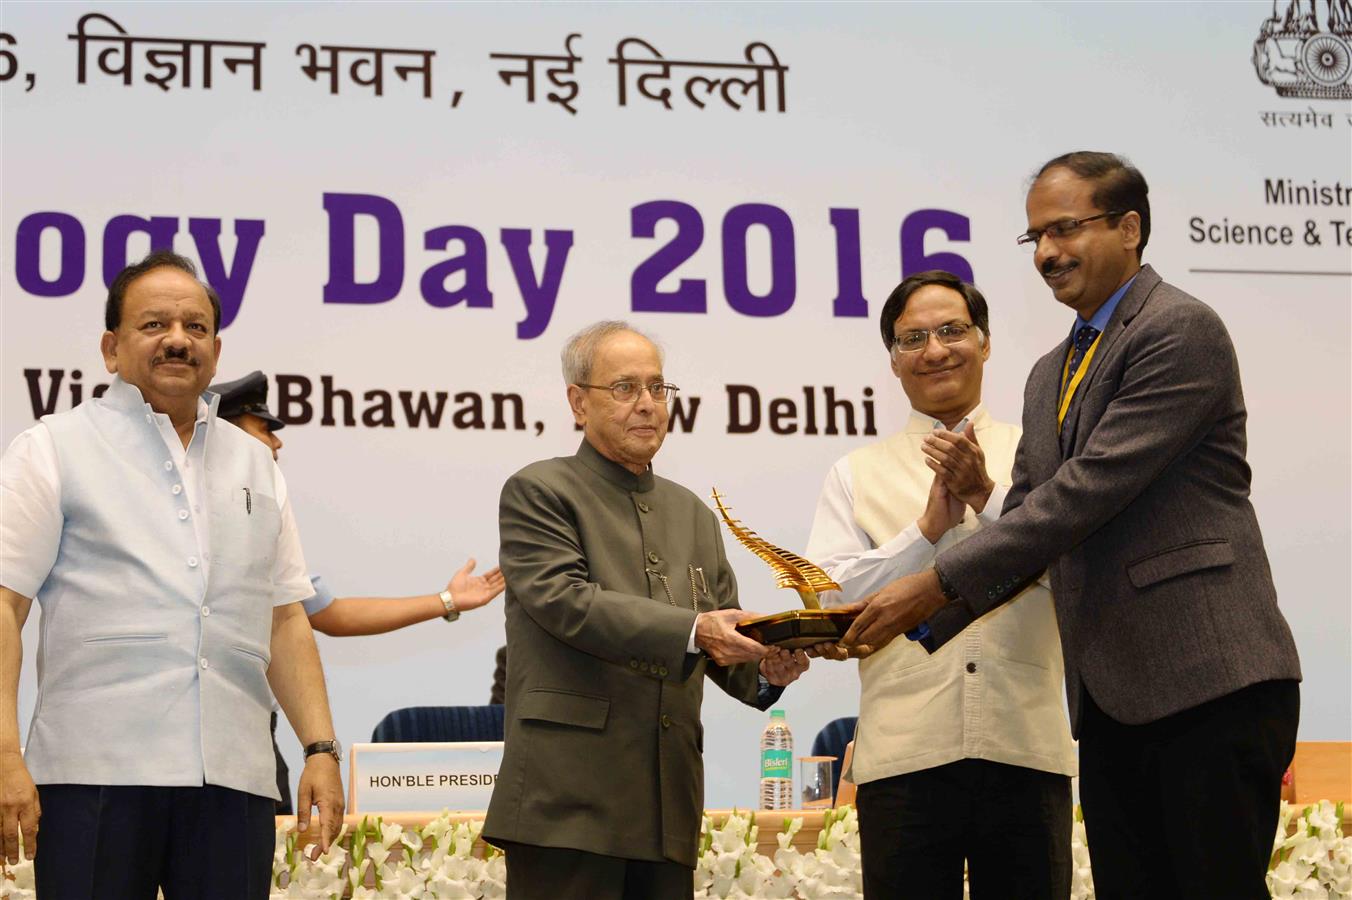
[1299, 59]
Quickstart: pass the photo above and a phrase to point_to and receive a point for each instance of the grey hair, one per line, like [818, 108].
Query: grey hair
[579, 353]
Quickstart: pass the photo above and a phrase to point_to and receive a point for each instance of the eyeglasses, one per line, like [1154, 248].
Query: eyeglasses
[918, 339]
[629, 391]
[1062, 229]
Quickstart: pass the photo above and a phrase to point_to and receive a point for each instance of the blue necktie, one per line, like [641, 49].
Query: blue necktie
[1084, 339]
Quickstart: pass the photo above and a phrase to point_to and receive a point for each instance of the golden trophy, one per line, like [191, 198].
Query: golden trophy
[797, 627]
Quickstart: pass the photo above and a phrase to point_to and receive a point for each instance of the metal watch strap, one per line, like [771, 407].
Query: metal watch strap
[449, 602]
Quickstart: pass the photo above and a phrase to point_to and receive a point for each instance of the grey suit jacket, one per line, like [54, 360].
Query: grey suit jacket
[605, 571]
[1140, 511]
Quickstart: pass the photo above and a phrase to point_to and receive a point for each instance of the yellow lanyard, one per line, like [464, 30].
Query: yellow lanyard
[1068, 390]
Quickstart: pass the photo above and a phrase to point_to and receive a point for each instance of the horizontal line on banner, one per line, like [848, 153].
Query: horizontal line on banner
[1267, 272]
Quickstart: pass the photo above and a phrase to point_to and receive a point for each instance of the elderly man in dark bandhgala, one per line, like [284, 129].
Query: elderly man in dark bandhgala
[619, 601]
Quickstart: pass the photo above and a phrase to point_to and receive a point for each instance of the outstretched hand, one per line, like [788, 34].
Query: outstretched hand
[473, 591]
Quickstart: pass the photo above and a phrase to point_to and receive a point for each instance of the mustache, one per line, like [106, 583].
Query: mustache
[175, 354]
[1051, 265]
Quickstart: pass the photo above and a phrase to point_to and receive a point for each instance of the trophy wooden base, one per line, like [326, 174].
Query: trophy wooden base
[798, 627]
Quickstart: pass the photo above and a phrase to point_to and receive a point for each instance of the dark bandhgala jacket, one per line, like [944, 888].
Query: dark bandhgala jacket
[1140, 511]
[605, 572]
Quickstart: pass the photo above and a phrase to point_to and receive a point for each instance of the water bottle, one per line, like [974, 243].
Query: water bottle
[776, 784]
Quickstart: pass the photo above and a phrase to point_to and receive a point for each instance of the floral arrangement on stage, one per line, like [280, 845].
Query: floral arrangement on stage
[729, 865]
[385, 860]
[1312, 860]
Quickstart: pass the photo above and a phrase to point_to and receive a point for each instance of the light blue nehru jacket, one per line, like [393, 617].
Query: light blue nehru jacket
[148, 673]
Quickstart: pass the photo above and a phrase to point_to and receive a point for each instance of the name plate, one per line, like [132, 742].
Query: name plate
[422, 777]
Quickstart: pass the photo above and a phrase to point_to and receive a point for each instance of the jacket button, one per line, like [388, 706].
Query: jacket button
[633, 664]
[971, 667]
[643, 667]
[662, 670]
[654, 558]
[666, 720]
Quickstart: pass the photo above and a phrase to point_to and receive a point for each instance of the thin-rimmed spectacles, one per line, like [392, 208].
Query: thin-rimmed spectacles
[1061, 229]
[629, 391]
[918, 338]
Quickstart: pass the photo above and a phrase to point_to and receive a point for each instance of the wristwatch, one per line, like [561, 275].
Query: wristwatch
[333, 748]
[449, 602]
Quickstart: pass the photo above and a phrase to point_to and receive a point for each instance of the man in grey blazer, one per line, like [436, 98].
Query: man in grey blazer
[619, 601]
[1131, 488]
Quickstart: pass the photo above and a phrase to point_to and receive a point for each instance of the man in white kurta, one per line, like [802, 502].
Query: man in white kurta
[160, 545]
[964, 755]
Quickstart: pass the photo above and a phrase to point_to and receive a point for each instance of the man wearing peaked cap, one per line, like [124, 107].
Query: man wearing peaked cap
[245, 400]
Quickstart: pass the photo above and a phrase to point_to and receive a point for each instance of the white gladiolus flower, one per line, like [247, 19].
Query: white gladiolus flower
[377, 854]
[1311, 889]
[1323, 818]
[1283, 879]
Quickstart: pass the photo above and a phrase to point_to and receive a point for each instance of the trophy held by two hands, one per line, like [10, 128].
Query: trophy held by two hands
[796, 627]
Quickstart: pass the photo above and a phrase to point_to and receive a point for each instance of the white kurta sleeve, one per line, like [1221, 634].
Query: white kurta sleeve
[30, 511]
[290, 576]
[847, 553]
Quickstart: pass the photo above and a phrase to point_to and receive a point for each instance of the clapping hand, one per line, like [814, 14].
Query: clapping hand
[958, 460]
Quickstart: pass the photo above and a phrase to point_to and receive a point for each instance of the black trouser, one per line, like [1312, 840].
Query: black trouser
[1186, 806]
[284, 807]
[102, 842]
[556, 873]
[1011, 825]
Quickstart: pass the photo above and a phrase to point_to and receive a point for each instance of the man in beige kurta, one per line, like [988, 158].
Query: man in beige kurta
[962, 756]
[619, 601]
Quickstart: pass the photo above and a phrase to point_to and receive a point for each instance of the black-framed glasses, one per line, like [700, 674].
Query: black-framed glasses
[1061, 229]
[918, 338]
[629, 391]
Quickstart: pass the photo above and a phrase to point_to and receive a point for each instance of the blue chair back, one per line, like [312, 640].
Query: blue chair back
[831, 741]
[429, 724]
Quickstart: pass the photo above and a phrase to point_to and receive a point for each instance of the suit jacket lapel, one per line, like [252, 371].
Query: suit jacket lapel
[1127, 308]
